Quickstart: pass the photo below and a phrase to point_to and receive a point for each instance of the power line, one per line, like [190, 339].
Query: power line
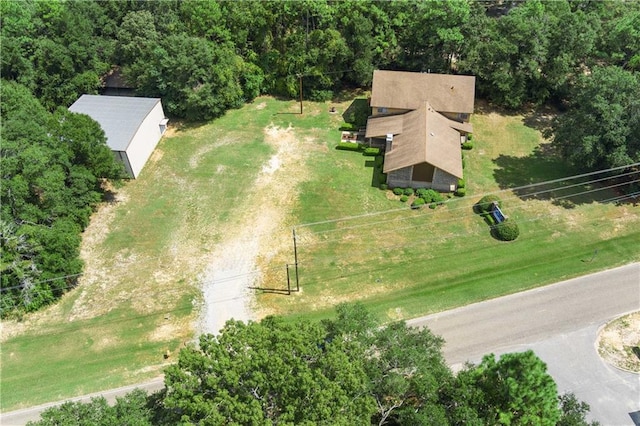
[404, 209]
[440, 222]
[517, 188]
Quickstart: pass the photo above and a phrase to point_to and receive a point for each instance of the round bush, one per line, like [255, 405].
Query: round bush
[408, 191]
[461, 192]
[462, 183]
[398, 191]
[404, 198]
[484, 205]
[507, 230]
[417, 203]
[467, 145]
[384, 186]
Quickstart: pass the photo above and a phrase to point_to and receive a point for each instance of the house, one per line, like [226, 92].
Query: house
[133, 126]
[421, 120]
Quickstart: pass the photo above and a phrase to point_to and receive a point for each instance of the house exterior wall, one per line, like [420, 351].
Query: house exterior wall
[457, 116]
[145, 140]
[443, 181]
[387, 111]
[400, 178]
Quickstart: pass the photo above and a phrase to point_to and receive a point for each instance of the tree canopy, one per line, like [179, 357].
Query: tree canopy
[601, 128]
[345, 371]
[52, 169]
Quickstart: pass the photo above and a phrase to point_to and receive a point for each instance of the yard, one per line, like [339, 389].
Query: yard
[216, 206]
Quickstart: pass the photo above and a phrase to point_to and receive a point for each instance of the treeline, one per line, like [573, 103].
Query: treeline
[344, 371]
[204, 57]
[53, 167]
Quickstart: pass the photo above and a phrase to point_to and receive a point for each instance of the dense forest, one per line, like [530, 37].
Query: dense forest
[346, 371]
[204, 57]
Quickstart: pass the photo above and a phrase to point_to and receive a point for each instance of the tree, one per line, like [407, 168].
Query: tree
[196, 78]
[514, 390]
[600, 130]
[574, 412]
[132, 409]
[53, 166]
[347, 370]
[271, 371]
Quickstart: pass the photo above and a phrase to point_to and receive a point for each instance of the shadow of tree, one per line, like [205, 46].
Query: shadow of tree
[526, 175]
[357, 113]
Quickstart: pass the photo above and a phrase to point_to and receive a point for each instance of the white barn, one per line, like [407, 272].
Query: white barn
[133, 126]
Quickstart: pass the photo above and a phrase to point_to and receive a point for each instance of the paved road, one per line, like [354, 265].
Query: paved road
[559, 322]
[21, 417]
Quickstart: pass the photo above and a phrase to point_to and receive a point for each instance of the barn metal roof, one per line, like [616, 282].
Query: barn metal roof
[119, 116]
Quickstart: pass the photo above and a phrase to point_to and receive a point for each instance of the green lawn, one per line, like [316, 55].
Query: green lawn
[139, 297]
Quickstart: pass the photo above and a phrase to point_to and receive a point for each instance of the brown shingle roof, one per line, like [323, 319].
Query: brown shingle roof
[380, 126]
[408, 90]
[426, 137]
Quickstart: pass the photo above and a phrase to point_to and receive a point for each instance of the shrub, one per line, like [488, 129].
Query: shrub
[404, 198]
[371, 151]
[431, 196]
[507, 230]
[467, 145]
[348, 146]
[348, 127]
[433, 205]
[484, 205]
[470, 136]
[408, 191]
[462, 183]
[461, 192]
[398, 191]
[417, 203]
[379, 160]
[384, 186]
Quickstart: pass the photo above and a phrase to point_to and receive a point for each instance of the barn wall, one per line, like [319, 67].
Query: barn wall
[145, 140]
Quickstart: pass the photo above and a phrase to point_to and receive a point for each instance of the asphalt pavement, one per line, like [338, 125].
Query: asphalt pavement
[559, 322]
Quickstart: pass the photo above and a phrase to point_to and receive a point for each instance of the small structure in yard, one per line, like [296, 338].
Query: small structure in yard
[497, 214]
[420, 120]
[133, 126]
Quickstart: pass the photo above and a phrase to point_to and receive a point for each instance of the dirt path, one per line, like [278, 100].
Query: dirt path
[233, 268]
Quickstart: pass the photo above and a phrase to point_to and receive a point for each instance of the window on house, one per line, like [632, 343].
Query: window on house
[382, 110]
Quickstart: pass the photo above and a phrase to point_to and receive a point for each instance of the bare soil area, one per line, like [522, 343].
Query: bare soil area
[236, 267]
[619, 342]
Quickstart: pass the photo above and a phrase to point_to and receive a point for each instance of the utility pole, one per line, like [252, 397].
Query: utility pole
[300, 79]
[295, 256]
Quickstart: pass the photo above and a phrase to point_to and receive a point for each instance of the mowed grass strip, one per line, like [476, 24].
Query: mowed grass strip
[401, 264]
[141, 286]
[406, 263]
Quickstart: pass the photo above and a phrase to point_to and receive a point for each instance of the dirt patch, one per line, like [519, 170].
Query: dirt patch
[239, 260]
[619, 342]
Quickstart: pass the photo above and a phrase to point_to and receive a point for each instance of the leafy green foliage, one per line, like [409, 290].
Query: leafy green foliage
[601, 129]
[467, 145]
[516, 389]
[52, 170]
[506, 230]
[417, 203]
[486, 202]
[349, 370]
[132, 409]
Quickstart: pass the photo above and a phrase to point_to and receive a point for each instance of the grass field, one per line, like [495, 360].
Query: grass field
[146, 252]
